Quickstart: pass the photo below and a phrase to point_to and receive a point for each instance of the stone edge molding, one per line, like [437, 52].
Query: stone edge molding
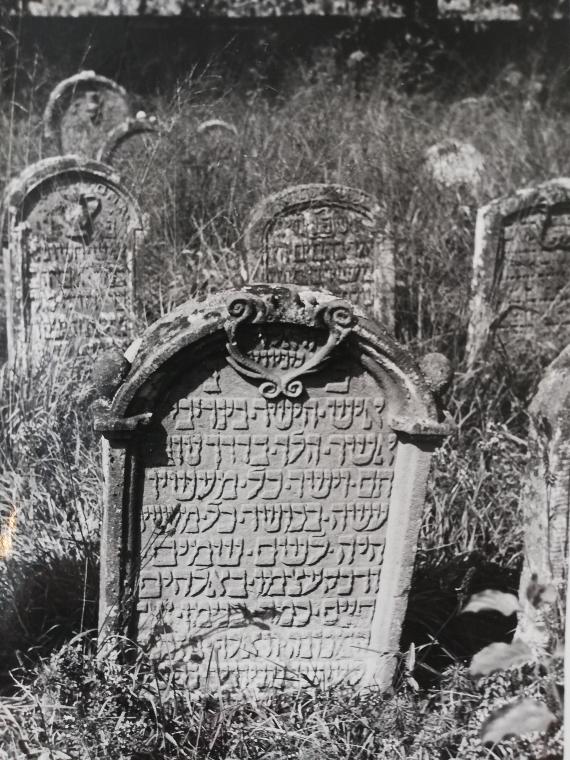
[128, 128]
[285, 201]
[123, 412]
[488, 251]
[226, 126]
[63, 92]
[17, 190]
[544, 502]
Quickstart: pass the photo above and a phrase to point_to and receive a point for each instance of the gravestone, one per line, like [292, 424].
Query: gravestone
[325, 236]
[469, 116]
[273, 447]
[545, 501]
[455, 164]
[130, 148]
[520, 290]
[217, 127]
[70, 232]
[82, 110]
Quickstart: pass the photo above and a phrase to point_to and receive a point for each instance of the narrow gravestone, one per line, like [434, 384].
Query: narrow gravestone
[272, 447]
[70, 233]
[82, 110]
[520, 289]
[325, 236]
[545, 503]
[455, 164]
[131, 147]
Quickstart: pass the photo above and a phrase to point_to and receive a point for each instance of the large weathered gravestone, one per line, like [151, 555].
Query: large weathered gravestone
[546, 506]
[82, 110]
[69, 235]
[520, 290]
[325, 236]
[273, 449]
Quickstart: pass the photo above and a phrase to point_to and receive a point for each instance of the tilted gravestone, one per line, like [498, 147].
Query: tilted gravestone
[325, 236]
[272, 447]
[130, 148]
[82, 110]
[70, 232]
[520, 288]
[545, 501]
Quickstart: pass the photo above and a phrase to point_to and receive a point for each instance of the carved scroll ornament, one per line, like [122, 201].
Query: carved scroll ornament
[246, 309]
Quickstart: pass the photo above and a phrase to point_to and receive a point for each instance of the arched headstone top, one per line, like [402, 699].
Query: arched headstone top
[520, 264]
[258, 306]
[70, 231]
[72, 168]
[216, 125]
[82, 110]
[267, 455]
[325, 236]
[125, 131]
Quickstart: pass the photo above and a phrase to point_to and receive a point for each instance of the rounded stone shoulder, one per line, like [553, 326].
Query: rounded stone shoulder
[544, 194]
[196, 320]
[64, 90]
[74, 167]
[305, 196]
[123, 131]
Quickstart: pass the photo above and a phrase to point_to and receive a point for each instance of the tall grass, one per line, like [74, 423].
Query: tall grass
[358, 126]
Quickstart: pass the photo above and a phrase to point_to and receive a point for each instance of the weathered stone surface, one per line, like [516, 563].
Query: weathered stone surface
[70, 232]
[520, 294]
[545, 503]
[130, 149]
[218, 126]
[273, 448]
[82, 110]
[325, 236]
[455, 164]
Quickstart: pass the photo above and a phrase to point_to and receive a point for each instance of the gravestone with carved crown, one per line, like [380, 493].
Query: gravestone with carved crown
[520, 290]
[325, 236]
[272, 445]
[82, 110]
[70, 232]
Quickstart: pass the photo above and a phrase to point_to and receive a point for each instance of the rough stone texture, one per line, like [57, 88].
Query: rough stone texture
[468, 9]
[520, 292]
[454, 164]
[272, 447]
[325, 236]
[69, 235]
[82, 110]
[231, 8]
[545, 503]
[130, 149]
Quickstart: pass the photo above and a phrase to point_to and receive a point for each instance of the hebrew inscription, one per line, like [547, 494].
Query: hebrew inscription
[263, 528]
[71, 244]
[325, 236]
[267, 456]
[520, 287]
